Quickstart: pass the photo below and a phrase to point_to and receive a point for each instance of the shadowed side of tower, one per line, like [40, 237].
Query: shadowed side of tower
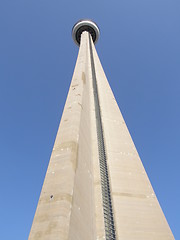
[95, 186]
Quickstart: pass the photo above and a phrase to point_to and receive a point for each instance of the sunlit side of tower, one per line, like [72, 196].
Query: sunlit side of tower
[95, 186]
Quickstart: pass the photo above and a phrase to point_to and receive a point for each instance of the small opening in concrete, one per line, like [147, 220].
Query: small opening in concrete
[51, 197]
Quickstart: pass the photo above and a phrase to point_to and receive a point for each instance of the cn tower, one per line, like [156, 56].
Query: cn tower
[95, 186]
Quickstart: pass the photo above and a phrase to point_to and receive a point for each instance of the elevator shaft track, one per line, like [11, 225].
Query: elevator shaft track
[105, 185]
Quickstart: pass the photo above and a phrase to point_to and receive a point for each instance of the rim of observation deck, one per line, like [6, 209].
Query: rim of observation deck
[85, 25]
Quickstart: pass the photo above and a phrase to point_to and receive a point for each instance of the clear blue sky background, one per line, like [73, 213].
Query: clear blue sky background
[139, 48]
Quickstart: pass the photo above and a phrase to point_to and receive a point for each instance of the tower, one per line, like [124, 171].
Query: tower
[95, 186]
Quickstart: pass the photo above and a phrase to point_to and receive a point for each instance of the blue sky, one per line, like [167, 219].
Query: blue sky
[140, 52]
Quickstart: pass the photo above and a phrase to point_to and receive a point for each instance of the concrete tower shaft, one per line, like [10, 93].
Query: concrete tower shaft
[95, 186]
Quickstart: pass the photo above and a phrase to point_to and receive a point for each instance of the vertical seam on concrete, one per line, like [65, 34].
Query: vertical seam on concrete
[105, 185]
[72, 203]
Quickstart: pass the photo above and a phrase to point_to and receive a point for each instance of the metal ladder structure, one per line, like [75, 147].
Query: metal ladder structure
[105, 185]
